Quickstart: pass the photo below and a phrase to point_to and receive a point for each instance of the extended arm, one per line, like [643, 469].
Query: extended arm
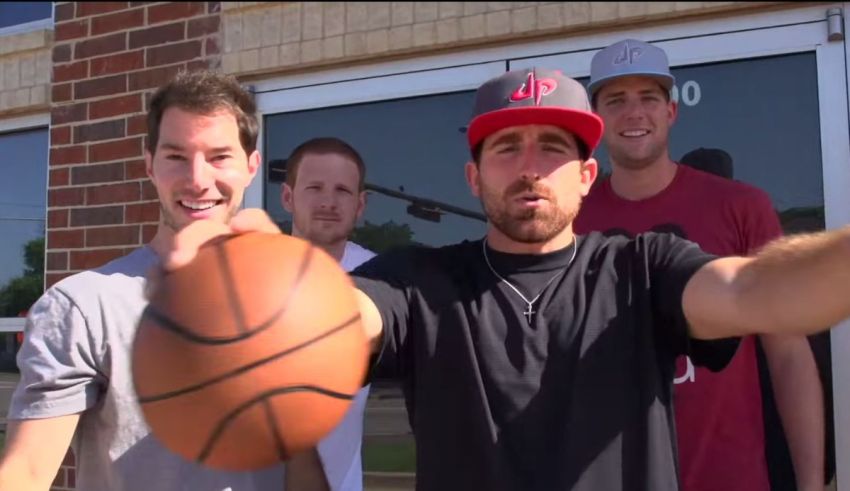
[34, 451]
[795, 285]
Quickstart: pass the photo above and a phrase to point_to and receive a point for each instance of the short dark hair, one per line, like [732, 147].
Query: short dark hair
[205, 92]
[583, 150]
[595, 94]
[322, 146]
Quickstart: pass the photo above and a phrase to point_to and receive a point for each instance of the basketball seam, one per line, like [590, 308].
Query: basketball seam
[281, 449]
[245, 368]
[230, 288]
[169, 324]
[305, 263]
[232, 415]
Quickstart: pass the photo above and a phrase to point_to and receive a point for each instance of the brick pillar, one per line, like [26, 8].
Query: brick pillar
[107, 59]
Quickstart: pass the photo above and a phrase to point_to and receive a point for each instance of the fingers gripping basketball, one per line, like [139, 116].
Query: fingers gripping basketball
[250, 353]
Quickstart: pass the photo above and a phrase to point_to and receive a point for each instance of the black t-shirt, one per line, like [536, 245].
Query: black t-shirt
[580, 399]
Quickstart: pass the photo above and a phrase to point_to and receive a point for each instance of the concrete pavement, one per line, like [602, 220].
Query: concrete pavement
[386, 420]
[385, 411]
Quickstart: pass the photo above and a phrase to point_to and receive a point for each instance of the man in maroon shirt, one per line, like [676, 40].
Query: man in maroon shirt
[718, 415]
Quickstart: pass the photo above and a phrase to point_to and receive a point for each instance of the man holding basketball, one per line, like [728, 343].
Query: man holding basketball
[76, 386]
[537, 359]
[324, 193]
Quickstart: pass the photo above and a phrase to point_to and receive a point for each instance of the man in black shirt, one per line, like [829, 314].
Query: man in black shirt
[535, 359]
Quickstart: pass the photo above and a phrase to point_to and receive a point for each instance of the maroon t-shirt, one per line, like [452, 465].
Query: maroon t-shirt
[718, 415]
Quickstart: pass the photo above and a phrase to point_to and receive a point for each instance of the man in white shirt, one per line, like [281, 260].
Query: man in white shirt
[324, 191]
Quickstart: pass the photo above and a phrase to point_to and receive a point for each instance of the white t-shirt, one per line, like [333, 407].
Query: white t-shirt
[340, 450]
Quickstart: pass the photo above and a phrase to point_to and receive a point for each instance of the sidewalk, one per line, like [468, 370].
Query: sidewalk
[386, 414]
[386, 422]
[388, 481]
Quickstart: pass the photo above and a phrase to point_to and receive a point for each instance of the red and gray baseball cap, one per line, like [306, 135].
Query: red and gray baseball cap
[629, 57]
[533, 96]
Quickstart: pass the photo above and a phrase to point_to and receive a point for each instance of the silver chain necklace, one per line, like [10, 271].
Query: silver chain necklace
[528, 312]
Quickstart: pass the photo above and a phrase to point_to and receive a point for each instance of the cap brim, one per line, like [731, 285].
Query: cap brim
[666, 80]
[585, 125]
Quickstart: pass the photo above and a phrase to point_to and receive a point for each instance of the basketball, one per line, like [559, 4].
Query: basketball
[249, 354]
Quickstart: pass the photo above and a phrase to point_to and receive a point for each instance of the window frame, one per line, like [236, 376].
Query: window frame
[12, 125]
[361, 90]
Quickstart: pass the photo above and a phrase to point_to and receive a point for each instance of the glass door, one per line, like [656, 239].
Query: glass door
[775, 99]
[407, 129]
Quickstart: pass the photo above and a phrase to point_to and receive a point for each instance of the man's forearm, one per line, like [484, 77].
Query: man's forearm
[18, 476]
[799, 399]
[33, 452]
[796, 285]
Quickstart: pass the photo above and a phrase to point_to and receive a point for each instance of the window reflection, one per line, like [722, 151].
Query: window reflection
[414, 154]
[766, 120]
[23, 155]
[23, 160]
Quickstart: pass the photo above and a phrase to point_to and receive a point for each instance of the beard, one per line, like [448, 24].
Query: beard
[525, 225]
[322, 234]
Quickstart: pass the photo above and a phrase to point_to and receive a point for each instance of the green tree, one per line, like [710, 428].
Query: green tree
[803, 219]
[383, 237]
[21, 292]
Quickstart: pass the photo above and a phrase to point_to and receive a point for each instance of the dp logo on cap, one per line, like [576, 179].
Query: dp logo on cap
[629, 55]
[534, 88]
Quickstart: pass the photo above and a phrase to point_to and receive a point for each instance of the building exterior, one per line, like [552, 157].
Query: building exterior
[766, 81]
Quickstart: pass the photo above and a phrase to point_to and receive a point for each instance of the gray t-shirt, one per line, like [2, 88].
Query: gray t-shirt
[76, 358]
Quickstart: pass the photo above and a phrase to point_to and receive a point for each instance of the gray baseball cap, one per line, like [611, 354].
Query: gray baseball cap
[533, 96]
[629, 57]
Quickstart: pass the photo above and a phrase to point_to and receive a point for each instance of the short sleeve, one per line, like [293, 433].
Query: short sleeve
[57, 361]
[387, 280]
[671, 262]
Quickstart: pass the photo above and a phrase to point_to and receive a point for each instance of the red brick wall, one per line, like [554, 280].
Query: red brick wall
[107, 59]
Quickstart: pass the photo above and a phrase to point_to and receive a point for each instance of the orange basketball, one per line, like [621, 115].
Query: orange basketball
[251, 353]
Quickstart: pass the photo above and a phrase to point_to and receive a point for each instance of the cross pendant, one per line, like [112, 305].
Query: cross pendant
[528, 313]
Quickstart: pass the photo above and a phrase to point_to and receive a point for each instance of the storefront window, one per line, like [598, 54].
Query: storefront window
[414, 153]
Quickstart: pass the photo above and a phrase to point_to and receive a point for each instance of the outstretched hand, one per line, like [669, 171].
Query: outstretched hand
[186, 242]
[184, 245]
[253, 220]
